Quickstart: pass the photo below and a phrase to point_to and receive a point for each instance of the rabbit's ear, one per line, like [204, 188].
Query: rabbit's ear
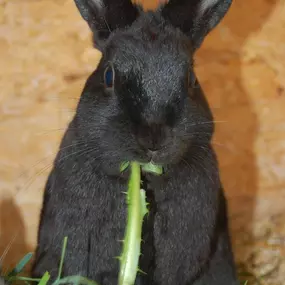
[195, 18]
[104, 16]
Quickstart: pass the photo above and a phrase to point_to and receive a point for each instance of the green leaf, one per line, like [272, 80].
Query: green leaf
[143, 203]
[20, 266]
[76, 279]
[142, 272]
[124, 166]
[44, 279]
[150, 167]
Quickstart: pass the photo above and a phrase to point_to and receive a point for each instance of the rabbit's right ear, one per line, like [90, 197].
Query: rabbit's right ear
[105, 16]
[195, 18]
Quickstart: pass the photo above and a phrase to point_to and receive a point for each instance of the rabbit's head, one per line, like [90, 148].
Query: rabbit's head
[143, 102]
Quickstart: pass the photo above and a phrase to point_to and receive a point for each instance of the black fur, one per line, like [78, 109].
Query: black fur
[156, 111]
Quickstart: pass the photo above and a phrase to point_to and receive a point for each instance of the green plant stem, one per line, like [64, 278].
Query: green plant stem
[136, 210]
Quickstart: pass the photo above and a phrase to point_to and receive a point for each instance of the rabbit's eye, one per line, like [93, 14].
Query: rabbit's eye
[109, 77]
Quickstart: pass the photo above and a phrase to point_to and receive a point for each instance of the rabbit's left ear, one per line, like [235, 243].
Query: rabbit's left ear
[195, 18]
[105, 16]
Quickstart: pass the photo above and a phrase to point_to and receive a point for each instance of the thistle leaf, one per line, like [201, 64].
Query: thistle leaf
[124, 166]
[152, 168]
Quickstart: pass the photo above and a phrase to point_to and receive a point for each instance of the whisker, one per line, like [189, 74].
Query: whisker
[52, 154]
[63, 98]
[50, 131]
[69, 110]
[8, 247]
[208, 122]
[227, 147]
[186, 163]
[32, 179]
[106, 23]
[220, 121]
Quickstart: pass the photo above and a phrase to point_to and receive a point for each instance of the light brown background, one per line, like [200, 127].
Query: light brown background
[45, 58]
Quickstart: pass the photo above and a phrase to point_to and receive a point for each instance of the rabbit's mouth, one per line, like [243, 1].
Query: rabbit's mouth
[158, 157]
[169, 153]
[145, 156]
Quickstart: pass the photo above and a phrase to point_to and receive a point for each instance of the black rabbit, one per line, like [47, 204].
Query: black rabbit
[142, 103]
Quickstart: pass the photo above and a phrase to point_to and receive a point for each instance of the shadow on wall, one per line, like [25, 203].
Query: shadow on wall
[13, 243]
[235, 138]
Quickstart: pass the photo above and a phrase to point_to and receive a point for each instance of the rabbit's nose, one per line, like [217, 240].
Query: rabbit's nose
[151, 137]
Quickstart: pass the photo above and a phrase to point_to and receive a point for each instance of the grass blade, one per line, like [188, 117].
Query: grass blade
[20, 266]
[62, 257]
[22, 278]
[44, 279]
